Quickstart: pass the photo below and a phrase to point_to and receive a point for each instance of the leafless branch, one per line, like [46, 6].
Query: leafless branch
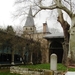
[36, 12]
[19, 1]
[70, 3]
[48, 7]
[67, 1]
[40, 2]
[55, 5]
[58, 5]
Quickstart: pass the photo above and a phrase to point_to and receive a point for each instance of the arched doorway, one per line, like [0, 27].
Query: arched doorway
[56, 47]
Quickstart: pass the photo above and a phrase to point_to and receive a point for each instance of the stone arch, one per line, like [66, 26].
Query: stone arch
[57, 48]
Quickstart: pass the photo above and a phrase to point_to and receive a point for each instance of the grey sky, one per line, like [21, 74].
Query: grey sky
[7, 8]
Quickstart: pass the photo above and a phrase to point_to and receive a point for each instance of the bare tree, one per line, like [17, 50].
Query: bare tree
[66, 6]
[65, 26]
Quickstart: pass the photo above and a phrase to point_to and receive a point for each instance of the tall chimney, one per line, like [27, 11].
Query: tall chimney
[44, 27]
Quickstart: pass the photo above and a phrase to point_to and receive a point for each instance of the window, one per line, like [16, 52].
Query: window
[30, 28]
[26, 28]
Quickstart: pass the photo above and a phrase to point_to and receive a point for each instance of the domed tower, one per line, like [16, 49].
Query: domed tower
[29, 27]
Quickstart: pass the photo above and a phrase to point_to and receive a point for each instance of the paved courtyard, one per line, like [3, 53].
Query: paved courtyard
[70, 73]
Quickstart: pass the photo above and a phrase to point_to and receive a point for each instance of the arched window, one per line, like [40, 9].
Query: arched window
[26, 28]
[30, 28]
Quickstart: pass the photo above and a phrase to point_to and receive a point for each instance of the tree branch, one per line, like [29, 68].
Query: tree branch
[58, 5]
[19, 1]
[48, 7]
[36, 12]
[66, 10]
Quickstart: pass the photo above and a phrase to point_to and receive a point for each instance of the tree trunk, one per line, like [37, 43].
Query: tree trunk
[65, 27]
[71, 54]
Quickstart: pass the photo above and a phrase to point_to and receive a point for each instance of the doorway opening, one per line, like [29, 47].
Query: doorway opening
[56, 47]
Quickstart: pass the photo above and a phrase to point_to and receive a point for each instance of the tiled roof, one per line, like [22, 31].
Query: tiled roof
[54, 35]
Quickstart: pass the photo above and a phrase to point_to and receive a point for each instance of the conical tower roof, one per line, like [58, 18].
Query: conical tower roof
[30, 20]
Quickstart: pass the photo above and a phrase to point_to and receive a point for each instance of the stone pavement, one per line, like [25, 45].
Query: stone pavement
[70, 73]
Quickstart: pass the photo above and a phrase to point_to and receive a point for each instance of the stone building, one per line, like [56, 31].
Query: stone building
[50, 43]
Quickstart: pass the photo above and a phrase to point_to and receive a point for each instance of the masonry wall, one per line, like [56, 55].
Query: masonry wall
[27, 71]
[44, 45]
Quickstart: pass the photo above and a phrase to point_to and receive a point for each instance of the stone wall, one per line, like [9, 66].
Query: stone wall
[26, 71]
[44, 45]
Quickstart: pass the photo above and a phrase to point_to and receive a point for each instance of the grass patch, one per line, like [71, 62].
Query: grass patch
[71, 69]
[37, 66]
[8, 73]
[60, 67]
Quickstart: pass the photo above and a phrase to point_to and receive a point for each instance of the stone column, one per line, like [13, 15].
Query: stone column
[47, 53]
[12, 57]
[23, 56]
[31, 59]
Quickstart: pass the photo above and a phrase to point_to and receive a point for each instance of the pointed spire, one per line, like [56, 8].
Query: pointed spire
[30, 12]
[30, 20]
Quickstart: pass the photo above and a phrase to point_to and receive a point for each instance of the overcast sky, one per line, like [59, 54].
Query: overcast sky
[6, 10]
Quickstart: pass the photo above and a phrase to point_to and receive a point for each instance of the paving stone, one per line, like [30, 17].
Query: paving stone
[70, 73]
